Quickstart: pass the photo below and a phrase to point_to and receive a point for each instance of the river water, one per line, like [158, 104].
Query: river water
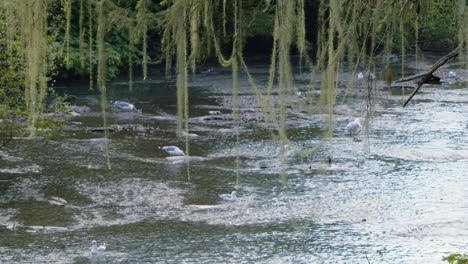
[397, 194]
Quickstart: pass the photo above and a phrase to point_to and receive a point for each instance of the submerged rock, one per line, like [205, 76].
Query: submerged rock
[203, 206]
[81, 109]
[101, 129]
[211, 118]
[46, 229]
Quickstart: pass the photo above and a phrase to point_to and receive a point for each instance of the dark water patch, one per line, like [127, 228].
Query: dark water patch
[40, 213]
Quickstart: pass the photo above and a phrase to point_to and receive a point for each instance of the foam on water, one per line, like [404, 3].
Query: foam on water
[128, 201]
[7, 157]
[22, 169]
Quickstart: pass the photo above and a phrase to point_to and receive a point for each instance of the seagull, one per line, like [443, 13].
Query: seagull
[173, 150]
[185, 134]
[214, 113]
[360, 76]
[95, 249]
[354, 127]
[369, 75]
[125, 106]
[229, 197]
[451, 74]
[301, 94]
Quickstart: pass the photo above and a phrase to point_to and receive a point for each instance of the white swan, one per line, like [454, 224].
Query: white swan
[229, 197]
[173, 150]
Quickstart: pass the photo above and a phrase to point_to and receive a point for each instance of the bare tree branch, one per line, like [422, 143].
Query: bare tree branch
[428, 77]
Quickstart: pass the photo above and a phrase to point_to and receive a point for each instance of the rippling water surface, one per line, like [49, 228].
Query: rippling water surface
[397, 195]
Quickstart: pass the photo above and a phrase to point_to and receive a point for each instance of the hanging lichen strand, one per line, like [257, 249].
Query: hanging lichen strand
[236, 54]
[332, 62]
[27, 26]
[194, 35]
[90, 44]
[142, 17]
[35, 43]
[67, 7]
[130, 53]
[175, 42]
[300, 31]
[462, 21]
[101, 69]
[82, 34]
[285, 11]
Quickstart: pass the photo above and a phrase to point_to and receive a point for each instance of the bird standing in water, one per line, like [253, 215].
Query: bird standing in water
[354, 127]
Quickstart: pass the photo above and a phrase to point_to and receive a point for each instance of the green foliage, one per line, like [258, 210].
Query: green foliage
[116, 55]
[60, 107]
[438, 27]
[11, 73]
[257, 23]
[456, 258]
[49, 124]
[11, 124]
[12, 103]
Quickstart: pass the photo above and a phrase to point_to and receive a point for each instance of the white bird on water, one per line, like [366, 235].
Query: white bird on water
[360, 76]
[125, 106]
[229, 197]
[369, 76]
[95, 249]
[173, 151]
[451, 74]
[354, 127]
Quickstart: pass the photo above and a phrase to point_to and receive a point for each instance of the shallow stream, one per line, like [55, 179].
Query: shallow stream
[397, 194]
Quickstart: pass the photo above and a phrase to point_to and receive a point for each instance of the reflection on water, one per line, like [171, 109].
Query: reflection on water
[398, 195]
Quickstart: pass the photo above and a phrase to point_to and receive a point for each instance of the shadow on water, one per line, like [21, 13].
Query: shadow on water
[397, 195]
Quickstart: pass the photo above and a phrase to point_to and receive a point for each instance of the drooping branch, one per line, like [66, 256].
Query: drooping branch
[428, 77]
